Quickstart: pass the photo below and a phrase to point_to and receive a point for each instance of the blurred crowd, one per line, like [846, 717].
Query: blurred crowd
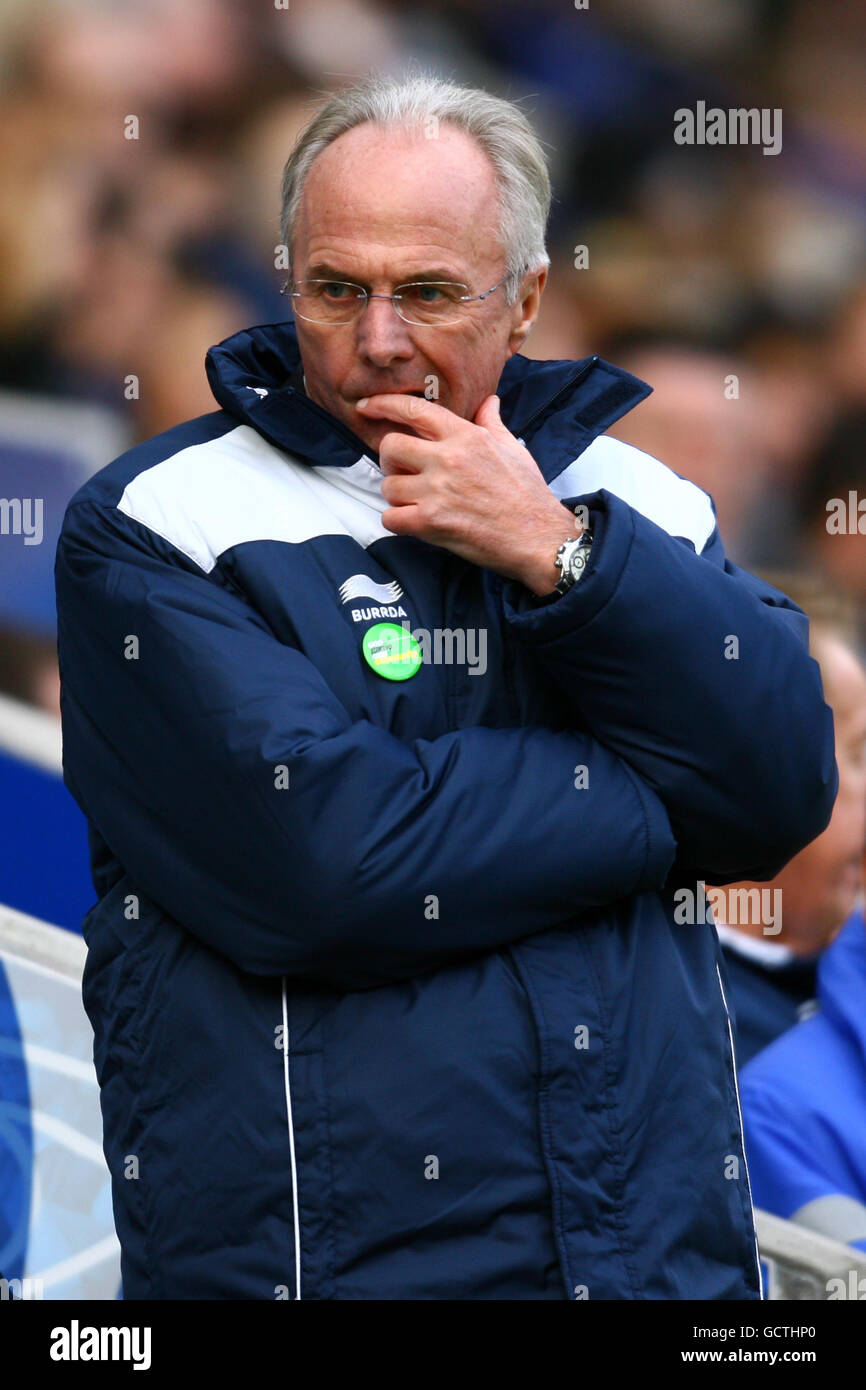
[140, 154]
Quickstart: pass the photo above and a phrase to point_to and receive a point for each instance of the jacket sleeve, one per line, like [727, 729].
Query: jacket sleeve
[699, 675]
[239, 796]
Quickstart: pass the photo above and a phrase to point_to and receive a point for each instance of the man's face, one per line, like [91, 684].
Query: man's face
[382, 208]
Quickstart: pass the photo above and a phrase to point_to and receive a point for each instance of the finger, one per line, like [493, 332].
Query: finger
[425, 417]
[489, 417]
[403, 521]
[403, 453]
[402, 489]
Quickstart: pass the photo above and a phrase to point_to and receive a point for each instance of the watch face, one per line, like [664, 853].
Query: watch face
[578, 563]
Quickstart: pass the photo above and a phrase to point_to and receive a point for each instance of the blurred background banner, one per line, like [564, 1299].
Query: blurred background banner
[48, 448]
[56, 1221]
[44, 868]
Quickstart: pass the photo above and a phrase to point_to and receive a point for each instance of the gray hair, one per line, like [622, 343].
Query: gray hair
[497, 126]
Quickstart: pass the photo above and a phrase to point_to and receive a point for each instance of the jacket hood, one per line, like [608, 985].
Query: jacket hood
[559, 406]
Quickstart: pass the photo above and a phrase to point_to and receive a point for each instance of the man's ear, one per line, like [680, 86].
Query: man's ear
[525, 311]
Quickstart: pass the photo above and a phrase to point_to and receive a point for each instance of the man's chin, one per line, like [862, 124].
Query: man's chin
[372, 433]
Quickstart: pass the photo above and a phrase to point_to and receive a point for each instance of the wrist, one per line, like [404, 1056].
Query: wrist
[540, 574]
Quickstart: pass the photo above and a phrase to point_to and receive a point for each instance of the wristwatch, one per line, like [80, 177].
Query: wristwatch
[572, 558]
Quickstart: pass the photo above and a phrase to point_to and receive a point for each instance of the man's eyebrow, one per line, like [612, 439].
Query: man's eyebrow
[322, 271]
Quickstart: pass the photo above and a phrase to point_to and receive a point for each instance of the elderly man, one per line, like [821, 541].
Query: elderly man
[388, 996]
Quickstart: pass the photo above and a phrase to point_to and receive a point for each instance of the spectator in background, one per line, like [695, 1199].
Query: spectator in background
[804, 1104]
[773, 965]
[833, 507]
[700, 431]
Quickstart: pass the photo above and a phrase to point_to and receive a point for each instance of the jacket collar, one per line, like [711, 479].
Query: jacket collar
[556, 407]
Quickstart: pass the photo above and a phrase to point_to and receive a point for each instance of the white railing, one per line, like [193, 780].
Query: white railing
[29, 939]
[31, 734]
[805, 1265]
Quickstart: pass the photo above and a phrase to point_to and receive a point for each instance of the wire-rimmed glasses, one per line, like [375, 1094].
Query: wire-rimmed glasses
[427, 303]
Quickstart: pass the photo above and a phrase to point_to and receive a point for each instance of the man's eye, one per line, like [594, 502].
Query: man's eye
[424, 294]
[335, 289]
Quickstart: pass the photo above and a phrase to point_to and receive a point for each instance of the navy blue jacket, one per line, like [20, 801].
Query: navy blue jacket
[387, 993]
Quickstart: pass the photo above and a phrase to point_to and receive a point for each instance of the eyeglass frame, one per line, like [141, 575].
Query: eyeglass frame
[327, 280]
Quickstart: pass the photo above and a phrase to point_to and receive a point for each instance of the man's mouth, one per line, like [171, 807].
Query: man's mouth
[392, 391]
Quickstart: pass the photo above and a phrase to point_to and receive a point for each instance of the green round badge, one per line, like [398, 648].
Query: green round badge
[391, 651]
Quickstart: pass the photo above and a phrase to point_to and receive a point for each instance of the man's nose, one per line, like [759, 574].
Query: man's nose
[382, 336]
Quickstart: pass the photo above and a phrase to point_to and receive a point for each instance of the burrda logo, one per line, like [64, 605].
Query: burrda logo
[362, 586]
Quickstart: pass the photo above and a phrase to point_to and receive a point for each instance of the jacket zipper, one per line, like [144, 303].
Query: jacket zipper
[742, 1131]
[286, 1081]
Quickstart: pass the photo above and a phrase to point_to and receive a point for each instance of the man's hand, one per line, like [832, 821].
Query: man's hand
[470, 487]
